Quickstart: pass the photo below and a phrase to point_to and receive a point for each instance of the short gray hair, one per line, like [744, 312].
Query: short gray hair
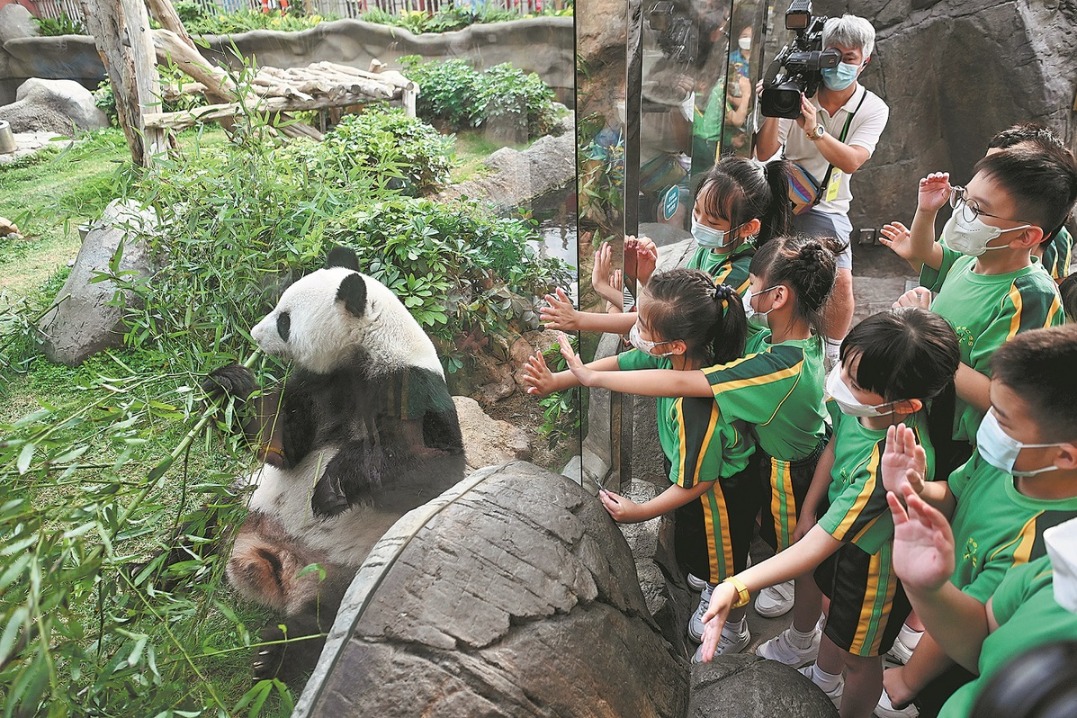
[850, 31]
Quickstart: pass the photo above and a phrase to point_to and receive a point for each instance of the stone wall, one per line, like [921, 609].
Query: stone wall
[540, 45]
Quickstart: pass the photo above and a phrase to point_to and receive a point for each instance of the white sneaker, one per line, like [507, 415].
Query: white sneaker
[731, 641]
[886, 709]
[834, 695]
[782, 649]
[901, 651]
[774, 601]
[695, 624]
[696, 583]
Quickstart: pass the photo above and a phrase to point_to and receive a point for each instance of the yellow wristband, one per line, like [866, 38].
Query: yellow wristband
[743, 597]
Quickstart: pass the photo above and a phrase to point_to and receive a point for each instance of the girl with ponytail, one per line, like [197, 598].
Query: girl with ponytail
[686, 323]
[740, 205]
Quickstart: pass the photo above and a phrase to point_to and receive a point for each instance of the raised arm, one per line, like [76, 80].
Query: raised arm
[932, 195]
[924, 561]
[645, 382]
[560, 314]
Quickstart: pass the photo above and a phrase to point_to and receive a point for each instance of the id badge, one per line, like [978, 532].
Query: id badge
[833, 185]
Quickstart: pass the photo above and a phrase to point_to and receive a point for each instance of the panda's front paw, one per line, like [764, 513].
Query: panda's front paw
[231, 380]
[288, 652]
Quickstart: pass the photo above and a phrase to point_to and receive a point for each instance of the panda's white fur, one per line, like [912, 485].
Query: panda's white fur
[324, 335]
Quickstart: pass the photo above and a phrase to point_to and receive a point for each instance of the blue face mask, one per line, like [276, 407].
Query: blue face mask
[709, 237]
[840, 77]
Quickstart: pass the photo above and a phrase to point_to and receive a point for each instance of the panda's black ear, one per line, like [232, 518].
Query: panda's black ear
[352, 292]
[342, 257]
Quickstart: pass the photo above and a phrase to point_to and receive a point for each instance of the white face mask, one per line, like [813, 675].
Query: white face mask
[971, 238]
[1000, 449]
[645, 346]
[756, 319]
[1061, 542]
[745, 44]
[840, 392]
[709, 237]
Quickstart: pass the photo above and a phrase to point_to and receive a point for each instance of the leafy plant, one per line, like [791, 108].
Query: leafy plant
[56, 26]
[563, 411]
[461, 272]
[246, 20]
[456, 94]
[403, 148]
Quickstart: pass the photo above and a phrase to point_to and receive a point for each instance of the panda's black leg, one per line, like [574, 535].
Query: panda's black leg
[289, 652]
[348, 478]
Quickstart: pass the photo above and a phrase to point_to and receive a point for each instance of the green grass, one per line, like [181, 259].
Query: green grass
[472, 149]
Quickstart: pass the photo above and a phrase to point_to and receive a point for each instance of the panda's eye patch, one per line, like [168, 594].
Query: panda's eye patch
[284, 325]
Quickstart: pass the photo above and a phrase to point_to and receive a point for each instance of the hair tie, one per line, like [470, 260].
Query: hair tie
[723, 292]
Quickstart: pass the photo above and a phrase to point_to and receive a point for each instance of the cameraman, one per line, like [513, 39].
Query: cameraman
[812, 142]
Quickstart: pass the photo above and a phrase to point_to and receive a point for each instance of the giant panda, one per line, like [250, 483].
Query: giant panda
[365, 408]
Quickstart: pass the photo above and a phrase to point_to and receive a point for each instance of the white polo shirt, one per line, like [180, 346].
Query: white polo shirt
[864, 131]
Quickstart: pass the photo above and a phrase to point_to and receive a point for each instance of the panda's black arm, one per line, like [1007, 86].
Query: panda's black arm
[349, 477]
[259, 411]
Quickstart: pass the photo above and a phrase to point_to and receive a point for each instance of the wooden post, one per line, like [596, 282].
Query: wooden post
[121, 32]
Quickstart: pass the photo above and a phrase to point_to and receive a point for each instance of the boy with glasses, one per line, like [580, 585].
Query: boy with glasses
[990, 289]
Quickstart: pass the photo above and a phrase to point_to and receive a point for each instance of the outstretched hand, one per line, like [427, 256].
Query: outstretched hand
[898, 238]
[904, 461]
[641, 253]
[722, 599]
[602, 275]
[923, 543]
[575, 365]
[537, 376]
[934, 192]
[621, 509]
[559, 312]
[919, 297]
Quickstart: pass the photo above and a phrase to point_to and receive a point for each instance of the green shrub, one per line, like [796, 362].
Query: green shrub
[56, 26]
[246, 20]
[448, 19]
[402, 148]
[459, 270]
[455, 93]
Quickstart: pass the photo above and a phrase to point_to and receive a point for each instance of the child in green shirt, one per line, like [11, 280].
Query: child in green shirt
[685, 323]
[890, 365]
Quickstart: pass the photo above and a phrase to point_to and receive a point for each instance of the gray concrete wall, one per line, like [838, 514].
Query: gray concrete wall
[541, 45]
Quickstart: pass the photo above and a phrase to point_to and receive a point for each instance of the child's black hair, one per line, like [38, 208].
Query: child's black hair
[807, 265]
[1038, 366]
[685, 304]
[1068, 289]
[1042, 184]
[1027, 132]
[902, 353]
[744, 190]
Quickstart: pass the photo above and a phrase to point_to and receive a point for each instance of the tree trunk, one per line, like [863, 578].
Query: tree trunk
[121, 32]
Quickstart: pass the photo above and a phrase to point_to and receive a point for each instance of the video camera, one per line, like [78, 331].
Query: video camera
[678, 36]
[796, 69]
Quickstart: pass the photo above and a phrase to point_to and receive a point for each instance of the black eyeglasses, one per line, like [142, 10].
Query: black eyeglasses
[969, 208]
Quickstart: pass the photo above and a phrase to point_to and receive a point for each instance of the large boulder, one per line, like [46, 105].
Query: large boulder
[512, 594]
[62, 106]
[747, 685]
[488, 441]
[15, 22]
[86, 318]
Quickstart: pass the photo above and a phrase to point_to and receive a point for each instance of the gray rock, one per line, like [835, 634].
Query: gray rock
[85, 320]
[488, 441]
[15, 22]
[512, 594]
[62, 106]
[746, 685]
[517, 177]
